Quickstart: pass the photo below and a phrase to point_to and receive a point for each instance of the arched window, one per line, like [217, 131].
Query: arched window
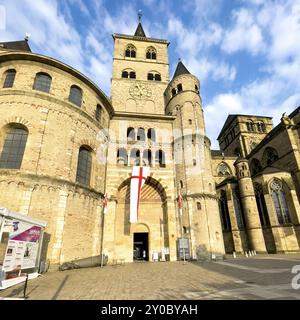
[157, 77]
[174, 92]
[196, 88]
[181, 184]
[198, 205]
[160, 158]
[261, 127]
[42, 82]
[154, 76]
[9, 78]
[141, 136]
[135, 157]
[255, 166]
[151, 135]
[125, 74]
[224, 211]
[250, 126]
[130, 51]
[13, 147]
[223, 169]
[75, 95]
[130, 134]
[151, 53]
[179, 87]
[270, 155]
[279, 201]
[84, 166]
[238, 209]
[122, 157]
[150, 76]
[261, 205]
[132, 75]
[98, 112]
[147, 158]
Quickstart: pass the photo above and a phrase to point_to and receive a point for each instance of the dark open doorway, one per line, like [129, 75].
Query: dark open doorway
[140, 246]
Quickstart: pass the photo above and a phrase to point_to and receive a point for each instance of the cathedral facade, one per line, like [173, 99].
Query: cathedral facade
[64, 144]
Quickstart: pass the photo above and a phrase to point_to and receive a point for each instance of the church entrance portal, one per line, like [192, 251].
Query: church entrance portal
[140, 246]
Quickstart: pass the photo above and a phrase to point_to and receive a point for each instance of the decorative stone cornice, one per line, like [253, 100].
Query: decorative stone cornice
[34, 180]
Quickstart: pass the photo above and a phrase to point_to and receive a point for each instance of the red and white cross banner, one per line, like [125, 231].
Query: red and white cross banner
[138, 178]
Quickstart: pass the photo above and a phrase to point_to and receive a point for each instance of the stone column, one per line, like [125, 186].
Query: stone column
[56, 254]
[247, 194]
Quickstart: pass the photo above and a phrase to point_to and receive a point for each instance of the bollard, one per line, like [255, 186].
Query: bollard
[25, 287]
[246, 254]
[234, 255]
[255, 252]
[249, 253]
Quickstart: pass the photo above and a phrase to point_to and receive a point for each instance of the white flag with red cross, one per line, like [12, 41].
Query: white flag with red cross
[138, 178]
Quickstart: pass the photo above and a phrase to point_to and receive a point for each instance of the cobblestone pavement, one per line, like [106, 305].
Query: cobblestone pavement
[259, 277]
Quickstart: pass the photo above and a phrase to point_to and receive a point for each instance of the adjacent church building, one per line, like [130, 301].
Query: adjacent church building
[67, 150]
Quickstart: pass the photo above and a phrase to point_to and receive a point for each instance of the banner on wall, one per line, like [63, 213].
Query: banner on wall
[23, 246]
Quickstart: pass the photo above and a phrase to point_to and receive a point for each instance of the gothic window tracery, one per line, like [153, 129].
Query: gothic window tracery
[261, 205]
[130, 51]
[223, 169]
[279, 201]
[223, 206]
[151, 53]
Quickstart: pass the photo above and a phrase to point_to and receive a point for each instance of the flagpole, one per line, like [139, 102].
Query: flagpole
[102, 231]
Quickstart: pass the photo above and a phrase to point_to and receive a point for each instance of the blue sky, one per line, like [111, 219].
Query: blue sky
[246, 53]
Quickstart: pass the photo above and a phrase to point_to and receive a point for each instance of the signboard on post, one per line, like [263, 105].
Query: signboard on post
[22, 249]
[21, 239]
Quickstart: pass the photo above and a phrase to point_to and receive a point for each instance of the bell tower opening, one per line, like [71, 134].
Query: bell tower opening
[140, 246]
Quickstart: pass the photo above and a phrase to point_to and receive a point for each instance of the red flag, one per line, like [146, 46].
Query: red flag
[179, 201]
[105, 203]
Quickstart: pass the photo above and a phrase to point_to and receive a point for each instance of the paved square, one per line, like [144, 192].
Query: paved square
[259, 277]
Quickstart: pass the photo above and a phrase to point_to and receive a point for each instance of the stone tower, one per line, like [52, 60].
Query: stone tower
[200, 221]
[247, 194]
[140, 73]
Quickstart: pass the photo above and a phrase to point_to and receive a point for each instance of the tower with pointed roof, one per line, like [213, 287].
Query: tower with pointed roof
[200, 220]
[140, 72]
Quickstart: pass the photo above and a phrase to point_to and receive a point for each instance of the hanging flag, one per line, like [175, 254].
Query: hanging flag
[138, 178]
[180, 203]
[105, 203]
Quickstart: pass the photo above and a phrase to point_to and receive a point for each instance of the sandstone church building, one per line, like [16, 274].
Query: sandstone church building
[64, 144]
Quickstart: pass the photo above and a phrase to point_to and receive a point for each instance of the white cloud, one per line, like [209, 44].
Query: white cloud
[244, 35]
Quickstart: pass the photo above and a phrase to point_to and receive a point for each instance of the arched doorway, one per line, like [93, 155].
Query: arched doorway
[150, 235]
